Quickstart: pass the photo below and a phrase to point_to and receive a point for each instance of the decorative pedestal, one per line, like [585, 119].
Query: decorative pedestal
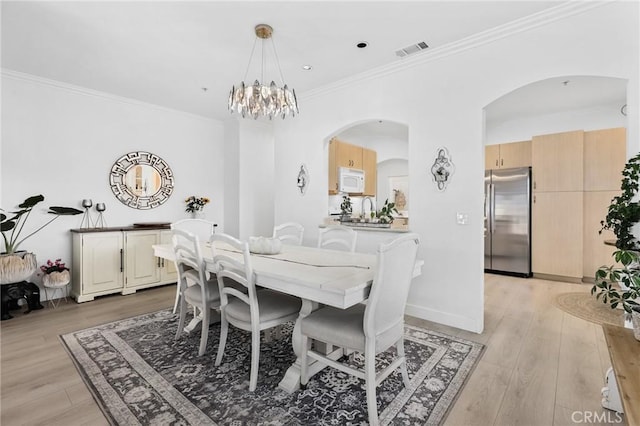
[14, 293]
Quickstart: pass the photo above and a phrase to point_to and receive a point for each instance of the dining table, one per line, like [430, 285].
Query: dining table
[317, 276]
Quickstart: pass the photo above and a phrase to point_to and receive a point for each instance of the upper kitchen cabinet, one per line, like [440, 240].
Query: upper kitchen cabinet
[507, 155]
[343, 154]
[557, 161]
[604, 158]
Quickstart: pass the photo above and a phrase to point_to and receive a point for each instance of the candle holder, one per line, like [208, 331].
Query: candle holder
[100, 222]
[86, 217]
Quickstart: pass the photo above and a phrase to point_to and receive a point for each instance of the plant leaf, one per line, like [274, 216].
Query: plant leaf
[31, 201]
[64, 211]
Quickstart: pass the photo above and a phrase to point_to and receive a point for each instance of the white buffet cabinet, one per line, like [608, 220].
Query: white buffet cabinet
[118, 260]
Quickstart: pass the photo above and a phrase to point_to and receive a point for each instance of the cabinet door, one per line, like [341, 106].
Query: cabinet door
[102, 262]
[370, 167]
[557, 227]
[604, 158]
[141, 266]
[349, 155]
[515, 154]
[168, 271]
[491, 157]
[557, 162]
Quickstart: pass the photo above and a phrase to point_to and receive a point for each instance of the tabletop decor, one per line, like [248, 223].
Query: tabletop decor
[100, 222]
[86, 217]
[55, 278]
[195, 205]
[442, 169]
[150, 378]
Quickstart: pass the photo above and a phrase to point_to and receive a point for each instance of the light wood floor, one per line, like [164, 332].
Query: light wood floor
[539, 366]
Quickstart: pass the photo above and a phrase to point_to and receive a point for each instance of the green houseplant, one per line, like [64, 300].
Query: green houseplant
[345, 208]
[13, 225]
[385, 214]
[620, 285]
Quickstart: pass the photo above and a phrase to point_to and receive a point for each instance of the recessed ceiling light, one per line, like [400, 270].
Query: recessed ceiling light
[307, 67]
[362, 45]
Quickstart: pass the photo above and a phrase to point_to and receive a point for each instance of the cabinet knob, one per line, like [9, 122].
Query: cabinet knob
[496, 162]
[502, 161]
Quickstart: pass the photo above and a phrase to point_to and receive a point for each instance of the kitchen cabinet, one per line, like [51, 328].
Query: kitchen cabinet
[507, 155]
[557, 162]
[557, 231]
[343, 154]
[596, 252]
[604, 158]
[117, 260]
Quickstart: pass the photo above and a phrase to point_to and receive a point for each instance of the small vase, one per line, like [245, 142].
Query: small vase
[198, 214]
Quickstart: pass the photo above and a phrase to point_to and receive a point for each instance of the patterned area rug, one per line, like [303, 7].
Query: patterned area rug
[139, 374]
[584, 305]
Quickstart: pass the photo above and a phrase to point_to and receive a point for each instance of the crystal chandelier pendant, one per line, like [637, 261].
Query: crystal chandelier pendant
[261, 100]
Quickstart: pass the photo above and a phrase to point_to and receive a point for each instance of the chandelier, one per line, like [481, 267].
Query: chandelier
[259, 99]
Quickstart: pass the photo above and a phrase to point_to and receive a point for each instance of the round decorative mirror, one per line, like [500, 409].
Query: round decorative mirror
[141, 180]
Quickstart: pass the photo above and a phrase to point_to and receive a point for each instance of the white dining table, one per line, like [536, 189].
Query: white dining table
[317, 276]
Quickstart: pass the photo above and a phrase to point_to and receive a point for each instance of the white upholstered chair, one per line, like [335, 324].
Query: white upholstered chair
[200, 227]
[369, 328]
[252, 310]
[337, 237]
[289, 233]
[202, 292]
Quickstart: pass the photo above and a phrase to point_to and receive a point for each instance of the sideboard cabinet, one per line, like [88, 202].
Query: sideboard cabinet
[118, 260]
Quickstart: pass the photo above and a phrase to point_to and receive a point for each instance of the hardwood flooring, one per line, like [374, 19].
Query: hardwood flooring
[540, 364]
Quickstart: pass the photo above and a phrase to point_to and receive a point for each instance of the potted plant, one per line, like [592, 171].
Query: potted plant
[345, 209]
[195, 205]
[385, 214]
[623, 213]
[16, 267]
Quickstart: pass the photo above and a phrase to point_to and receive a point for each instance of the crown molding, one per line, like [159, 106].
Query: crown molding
[79, 90]
[544, 17]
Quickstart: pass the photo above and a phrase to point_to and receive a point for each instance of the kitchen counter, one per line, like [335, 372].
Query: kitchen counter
[398, 225]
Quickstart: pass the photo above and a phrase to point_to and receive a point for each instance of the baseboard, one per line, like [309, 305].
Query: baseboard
[550, 277]
[445, 318]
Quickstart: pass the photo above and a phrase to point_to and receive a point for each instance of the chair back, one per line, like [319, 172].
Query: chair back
[391, 284]
[189, 261]
[233, 262]
[337, 237]
[289, 233]
[200, 227]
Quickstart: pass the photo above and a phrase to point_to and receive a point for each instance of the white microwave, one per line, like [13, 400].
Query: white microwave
[350, 180]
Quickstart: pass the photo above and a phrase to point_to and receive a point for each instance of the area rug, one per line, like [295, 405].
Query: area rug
[586, 306]
[139, 374]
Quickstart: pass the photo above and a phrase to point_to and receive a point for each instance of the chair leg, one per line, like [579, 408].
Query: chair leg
[183, 315]
[370, 382]
[175, 304]
[206, 312]
[224, 330]
[304, 379]
[403, 366]
[255, 358]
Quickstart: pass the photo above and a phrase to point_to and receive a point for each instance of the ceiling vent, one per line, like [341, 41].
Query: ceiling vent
[410, 50]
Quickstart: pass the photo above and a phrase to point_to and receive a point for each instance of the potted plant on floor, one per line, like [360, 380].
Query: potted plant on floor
[14, 266]
[620, 285]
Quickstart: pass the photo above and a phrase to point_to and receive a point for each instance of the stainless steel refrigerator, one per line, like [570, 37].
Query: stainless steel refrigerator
[507, 222]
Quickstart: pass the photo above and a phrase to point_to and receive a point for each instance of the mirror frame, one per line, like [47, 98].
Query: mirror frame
[117, 180]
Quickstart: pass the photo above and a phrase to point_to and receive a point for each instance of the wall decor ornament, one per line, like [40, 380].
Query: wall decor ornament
[303, 179]
[141, 180]
[442, 169]
[100, 222]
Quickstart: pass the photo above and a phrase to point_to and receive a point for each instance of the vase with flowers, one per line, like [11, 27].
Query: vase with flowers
[56, 274]
[195, 205]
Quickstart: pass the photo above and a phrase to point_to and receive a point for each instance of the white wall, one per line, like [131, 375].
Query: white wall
[441, 98]
[523, 128]
[61, 141]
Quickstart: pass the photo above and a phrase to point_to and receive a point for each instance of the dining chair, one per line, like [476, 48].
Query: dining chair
[289, 233]
[250, 310]
[369, 328]
[203, 293]
[200, 227]
[337, 237]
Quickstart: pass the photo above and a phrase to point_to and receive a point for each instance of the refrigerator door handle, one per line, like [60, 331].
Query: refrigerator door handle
[492, 191]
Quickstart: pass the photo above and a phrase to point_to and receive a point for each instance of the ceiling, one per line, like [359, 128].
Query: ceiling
[166, 52]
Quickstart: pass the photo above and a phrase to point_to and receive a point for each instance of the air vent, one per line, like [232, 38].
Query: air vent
[410, 50]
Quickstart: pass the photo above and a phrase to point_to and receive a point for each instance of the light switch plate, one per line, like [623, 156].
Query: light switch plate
[462, 218]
